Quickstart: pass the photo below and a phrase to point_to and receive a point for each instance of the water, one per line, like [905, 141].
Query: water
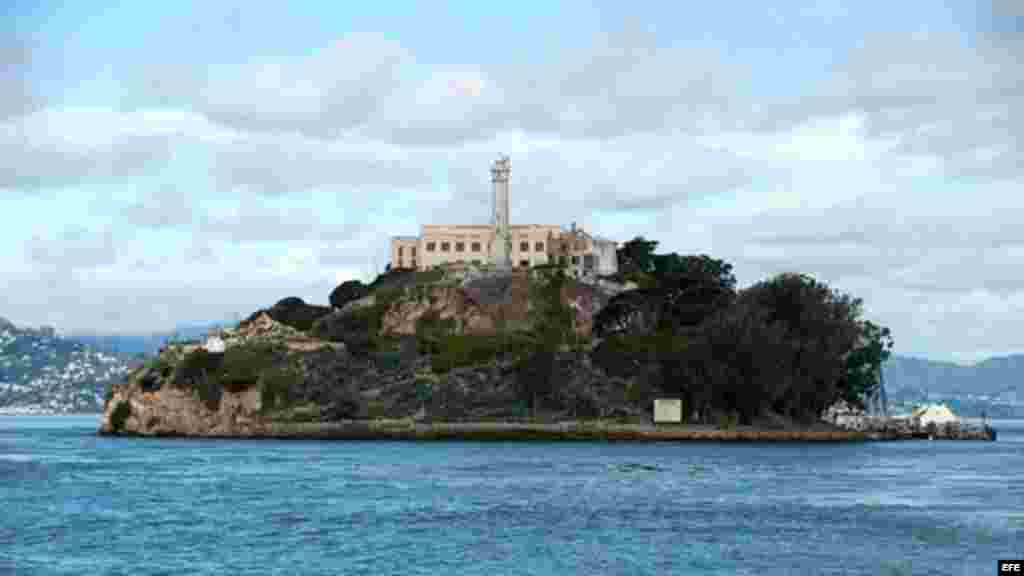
[75, 503]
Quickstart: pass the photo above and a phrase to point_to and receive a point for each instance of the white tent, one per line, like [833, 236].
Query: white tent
[937, 414]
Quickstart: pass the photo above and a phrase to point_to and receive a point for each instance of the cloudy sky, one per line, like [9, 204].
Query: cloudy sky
[167, 163]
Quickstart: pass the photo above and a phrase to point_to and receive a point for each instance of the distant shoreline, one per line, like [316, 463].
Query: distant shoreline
[565, 431]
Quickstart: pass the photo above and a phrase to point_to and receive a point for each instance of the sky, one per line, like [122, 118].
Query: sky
[175, 163]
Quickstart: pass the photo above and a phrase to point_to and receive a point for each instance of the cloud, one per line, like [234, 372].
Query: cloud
[324, 95]
[283, 164]
[167, 207]
[947, 95]
[75, 248]
[254, 222]
[559, 181]
[56, 148]
[18, 96]
[624, 82]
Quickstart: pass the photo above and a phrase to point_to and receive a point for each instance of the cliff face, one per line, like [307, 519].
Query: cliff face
[189, 390]
[295, 363]
[481, 304]
[176, 411]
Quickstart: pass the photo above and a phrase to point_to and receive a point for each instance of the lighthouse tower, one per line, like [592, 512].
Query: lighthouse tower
[502, 251]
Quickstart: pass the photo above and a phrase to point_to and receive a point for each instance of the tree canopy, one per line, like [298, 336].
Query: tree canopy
[789, 344]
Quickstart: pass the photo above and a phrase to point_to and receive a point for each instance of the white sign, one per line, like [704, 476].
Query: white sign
[668, 410]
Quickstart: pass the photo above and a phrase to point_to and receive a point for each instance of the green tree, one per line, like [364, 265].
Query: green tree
[553, 322]
[820, 327]
[861, 376]
[637, 255]
[691, 288]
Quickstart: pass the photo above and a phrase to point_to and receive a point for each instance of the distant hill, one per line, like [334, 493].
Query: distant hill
[993, 387]
[41, 372]
[999, 376]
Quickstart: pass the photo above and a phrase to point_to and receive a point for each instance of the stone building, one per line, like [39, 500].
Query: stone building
[583, 253]
[502, 244]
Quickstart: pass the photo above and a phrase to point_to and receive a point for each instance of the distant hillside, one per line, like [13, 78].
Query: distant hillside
[41, 372]
[998, 377]
[144, 343]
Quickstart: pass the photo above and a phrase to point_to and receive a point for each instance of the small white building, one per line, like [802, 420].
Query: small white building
[214, 345]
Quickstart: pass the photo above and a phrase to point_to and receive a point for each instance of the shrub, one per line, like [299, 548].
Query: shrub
[242, 365]
[276, 385]
[638, 391]
[120, 415]
[459, 350]
[351, 328]
[429, 276]
[431, 329]
[389, 359]
[376, 409]
[198, 362]
[198, 371]
[728, 421]
[160, 365]
[238, 368]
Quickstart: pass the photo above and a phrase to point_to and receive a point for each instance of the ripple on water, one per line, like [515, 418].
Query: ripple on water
[96, 505]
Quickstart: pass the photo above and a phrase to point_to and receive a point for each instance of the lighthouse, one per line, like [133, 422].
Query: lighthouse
[502, 252]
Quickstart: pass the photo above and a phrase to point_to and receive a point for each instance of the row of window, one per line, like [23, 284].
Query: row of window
[522, 263]
[562, 259]
[476, 247]
[411, 249]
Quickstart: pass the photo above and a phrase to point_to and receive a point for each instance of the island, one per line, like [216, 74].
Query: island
[478, 352]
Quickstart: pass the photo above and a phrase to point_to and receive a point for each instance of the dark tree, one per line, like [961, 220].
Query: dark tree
[637, 255]
[821, 327]
[692, 288]
[348, 291]
[861, 377]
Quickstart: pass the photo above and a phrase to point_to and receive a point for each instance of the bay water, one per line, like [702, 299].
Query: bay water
[72, 502]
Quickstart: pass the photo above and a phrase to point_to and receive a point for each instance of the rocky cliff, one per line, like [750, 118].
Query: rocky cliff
[362, 359]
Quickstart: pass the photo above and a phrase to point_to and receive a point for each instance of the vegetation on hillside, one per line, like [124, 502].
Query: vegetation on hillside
[786, 347]
[789, 344]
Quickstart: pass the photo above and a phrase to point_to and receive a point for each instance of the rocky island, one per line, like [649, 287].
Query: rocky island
[475, 353]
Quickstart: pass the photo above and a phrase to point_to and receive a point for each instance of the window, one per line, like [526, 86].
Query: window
[524, 246]
[524, 263]
[460, 246]
[413, 262]
[575, 260]
[413, 250]
[445, 246]
[476, 246]
[431, 246]
[538, 247]
[400, 251]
